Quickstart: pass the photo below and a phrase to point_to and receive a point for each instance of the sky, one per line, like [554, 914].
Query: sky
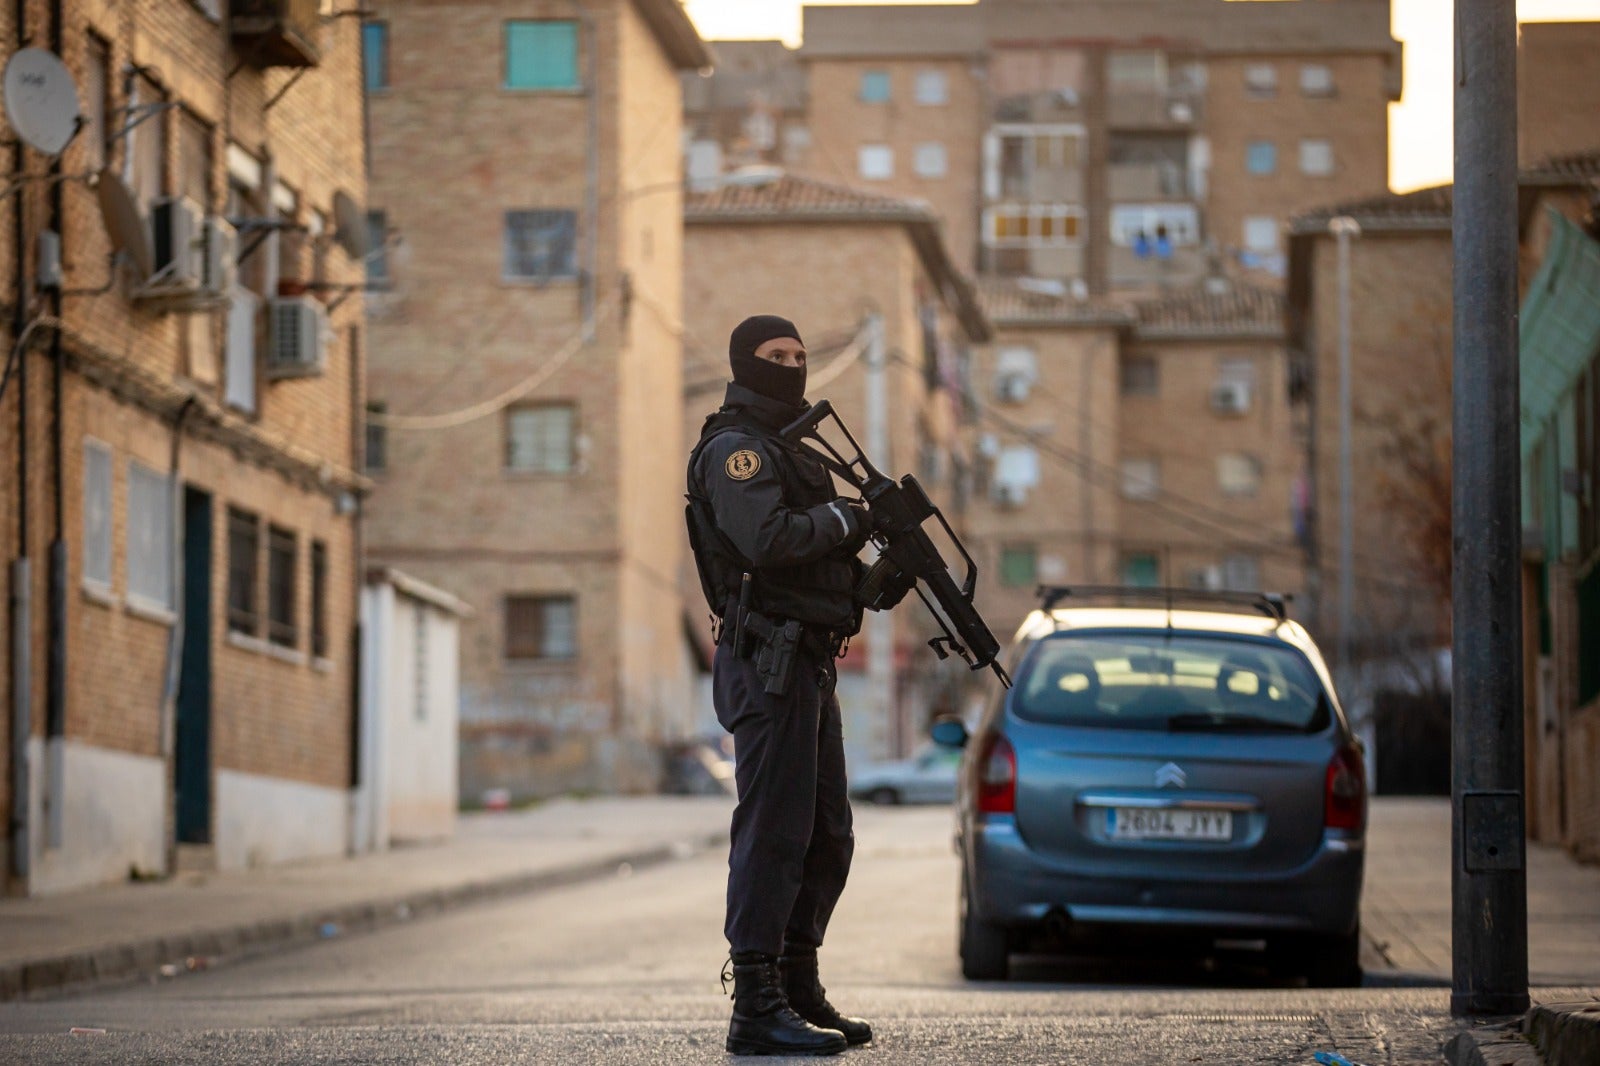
[1419, 126]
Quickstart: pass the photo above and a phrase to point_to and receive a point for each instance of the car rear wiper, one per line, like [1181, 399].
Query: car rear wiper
[1201, 722]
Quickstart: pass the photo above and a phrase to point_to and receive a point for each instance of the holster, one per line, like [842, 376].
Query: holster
[775, 646]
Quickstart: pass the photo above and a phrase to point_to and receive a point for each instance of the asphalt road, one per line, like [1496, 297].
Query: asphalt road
[625, 970]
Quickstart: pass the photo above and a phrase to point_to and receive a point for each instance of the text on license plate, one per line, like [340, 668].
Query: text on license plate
[1141, 823]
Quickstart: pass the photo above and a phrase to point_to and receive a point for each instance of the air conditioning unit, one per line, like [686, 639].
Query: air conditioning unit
[1230, 398]
[219, 255]
[1012, 388]
[295, 328]
[1206, 577]
[175, 237]
[1010, 494]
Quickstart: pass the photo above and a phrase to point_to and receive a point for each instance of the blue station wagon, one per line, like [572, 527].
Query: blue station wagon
[1167, 769]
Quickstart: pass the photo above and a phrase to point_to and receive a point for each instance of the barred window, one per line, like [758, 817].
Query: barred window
[541, 439]
[97, 514]
[541, 627]
[319, 599]
[149, 537]
[280, 587]
[541, 245]
[244, 548]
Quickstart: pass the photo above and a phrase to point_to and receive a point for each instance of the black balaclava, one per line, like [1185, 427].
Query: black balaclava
[786, 384]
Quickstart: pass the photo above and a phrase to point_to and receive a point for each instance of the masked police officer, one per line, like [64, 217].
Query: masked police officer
[776, 549]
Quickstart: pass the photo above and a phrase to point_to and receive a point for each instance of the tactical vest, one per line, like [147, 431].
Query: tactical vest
[822, 592]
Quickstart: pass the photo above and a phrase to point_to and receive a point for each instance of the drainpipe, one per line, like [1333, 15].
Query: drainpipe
[591, 281]
[20, 842]
[56, 678]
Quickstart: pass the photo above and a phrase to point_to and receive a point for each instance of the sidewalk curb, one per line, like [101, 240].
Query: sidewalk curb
[1567, 1034]
[1492, 1045]
[146, 956]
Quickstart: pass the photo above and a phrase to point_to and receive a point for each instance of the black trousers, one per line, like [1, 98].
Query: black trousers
[792, 838]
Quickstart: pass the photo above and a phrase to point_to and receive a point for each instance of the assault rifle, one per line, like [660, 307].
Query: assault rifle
[906, 554]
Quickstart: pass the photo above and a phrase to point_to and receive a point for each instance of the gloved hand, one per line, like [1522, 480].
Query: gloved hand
[860, 521]
[895, 590]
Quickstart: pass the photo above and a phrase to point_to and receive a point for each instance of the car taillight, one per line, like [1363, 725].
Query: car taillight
[1345, 804]
[997, 777]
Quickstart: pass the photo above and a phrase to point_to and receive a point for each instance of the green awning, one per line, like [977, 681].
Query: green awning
[1560, 325]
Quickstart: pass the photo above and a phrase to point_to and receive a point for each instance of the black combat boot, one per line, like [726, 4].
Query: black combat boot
[810, 1000]
[763, 1022]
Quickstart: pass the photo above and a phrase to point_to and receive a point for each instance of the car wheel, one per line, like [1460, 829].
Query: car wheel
[984, 954]
[1334, 961]
[886, 797]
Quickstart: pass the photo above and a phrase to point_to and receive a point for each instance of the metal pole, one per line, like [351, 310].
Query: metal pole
[1343, 229]
[880, 624]
[1490, 905]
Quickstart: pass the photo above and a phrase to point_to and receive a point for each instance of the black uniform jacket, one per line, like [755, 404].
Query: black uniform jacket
[777, 506]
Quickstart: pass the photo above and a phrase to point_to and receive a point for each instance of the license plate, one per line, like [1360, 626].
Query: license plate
[1143, 823]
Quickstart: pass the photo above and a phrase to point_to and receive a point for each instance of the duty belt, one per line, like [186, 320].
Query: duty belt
[823, 643]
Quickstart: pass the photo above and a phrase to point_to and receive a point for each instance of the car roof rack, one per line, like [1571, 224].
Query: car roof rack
[1274, 605]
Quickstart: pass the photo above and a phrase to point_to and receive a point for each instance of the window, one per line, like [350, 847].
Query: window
[194, 159]
[375, 55]
[377, 437]
[319, 599]
[875, 86]
[1034, 163]
[541, 245]
[1016, 371]
[1237, 371]
[1162, 226]
[96, 95]
[933, 87]
[1032, 225]
[1141, 478]
[931, 161]
[1238, 474]
[149, 537]
[542, 55]
[876, 162]
[1141, 570]
[147, 150]
[1261, 80]
[1261, 233]
[541, 627]
[1016, 470]
[97, 514]
[1316, 158]
[1316, 79]
[1019, 565]
[377, 258]
[1141, 375]
[240, 371]
[280, 586]
[244, 548]
[1241, 572]
[1142, 70]
[1261, 157]
[540, 439]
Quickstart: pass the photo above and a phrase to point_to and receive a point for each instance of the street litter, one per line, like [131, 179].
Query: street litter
[624, 869]
[1333, 1058]
[82, 1030]
[169, 969]
[197, 962]
[328, 930]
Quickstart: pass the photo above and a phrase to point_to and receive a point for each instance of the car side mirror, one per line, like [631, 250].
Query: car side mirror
[949, 732]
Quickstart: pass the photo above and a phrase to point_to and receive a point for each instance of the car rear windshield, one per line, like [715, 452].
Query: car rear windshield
[1176, 683]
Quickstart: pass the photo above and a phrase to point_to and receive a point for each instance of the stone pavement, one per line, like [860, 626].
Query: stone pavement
[126, 930]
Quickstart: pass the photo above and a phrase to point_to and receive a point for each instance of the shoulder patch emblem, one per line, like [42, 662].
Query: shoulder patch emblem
[743, 464]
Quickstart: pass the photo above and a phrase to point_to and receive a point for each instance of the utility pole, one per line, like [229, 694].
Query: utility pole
[880, 624]
[1489, 881]
[1343, 228]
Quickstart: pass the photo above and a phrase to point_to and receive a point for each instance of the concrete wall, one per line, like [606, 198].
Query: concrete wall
[108, 831]
[266, 820]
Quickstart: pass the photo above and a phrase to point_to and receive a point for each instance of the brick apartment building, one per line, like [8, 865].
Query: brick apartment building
[180, 443]
[1049, 136]
[1149, 443]
[526, 366]
[827, 256]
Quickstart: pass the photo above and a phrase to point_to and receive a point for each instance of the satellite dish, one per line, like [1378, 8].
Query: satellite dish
[41, 100]
[125, 223]
[350, 226]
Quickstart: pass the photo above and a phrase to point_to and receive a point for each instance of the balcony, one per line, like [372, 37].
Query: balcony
[1175, 109]
[277, 33]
